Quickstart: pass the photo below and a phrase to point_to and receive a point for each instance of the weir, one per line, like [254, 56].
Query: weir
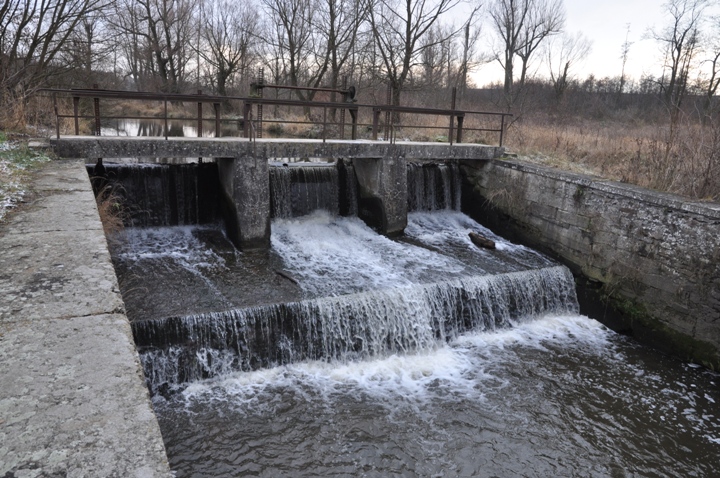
[243, 170]
[416, 293]
[376, 349]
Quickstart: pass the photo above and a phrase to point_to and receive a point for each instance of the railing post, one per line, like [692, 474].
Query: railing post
[261, 82]
[96, 102]
[259, 128]
[376, 123]
[354, 116]
[247, 113]
[387, 113]
[166, 119]
[76, 108]
[342, 123]
[451, 131]
[57, 116]
[460, 120]
[218, 132]
[200, 116]
[324, 123]
[502, 129]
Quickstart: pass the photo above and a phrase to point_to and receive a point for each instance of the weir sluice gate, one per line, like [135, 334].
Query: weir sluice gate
[372, 337]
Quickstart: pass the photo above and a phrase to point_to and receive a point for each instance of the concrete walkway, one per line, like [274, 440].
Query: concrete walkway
[73, 401]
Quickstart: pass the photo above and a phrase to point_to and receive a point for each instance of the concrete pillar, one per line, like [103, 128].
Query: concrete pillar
[382, 192]
[245, 184]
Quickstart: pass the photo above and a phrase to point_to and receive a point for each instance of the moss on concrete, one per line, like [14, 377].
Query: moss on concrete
[648, 328]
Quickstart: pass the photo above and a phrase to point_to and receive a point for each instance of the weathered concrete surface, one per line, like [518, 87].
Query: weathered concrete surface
[73, 401]
[245, 184]
[657, 256]
[382, 189]
[124, 147]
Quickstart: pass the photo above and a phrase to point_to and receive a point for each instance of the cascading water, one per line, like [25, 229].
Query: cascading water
[165, 194]
[342, 352]
[299, 190]
[433, 186]
[348, 327]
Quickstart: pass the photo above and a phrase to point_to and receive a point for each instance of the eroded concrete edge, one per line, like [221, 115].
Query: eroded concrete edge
[73, 400]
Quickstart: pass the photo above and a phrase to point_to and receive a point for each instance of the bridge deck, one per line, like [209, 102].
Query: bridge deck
[143, 146]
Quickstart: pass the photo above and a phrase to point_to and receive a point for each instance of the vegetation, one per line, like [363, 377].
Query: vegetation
[16, 162]
[660, 131]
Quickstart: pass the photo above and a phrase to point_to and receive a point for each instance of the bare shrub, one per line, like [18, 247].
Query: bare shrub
[111, 210]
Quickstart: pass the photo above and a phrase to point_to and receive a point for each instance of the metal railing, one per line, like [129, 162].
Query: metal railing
[252, 124]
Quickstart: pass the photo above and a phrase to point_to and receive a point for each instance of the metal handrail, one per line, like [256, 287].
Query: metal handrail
[455, 133]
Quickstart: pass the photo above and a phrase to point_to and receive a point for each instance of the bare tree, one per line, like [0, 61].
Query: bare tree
[339, 22]
[625, 51]
[712, 83]
[160, 36]
[398, 27]
[471, 32]
[522, 26]
[562, 56]
[33, 34]
[679, 40]
[546, 17]
[300, 47]
[230, 34]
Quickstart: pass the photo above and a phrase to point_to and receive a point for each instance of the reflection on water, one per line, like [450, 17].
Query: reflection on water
[175, 128]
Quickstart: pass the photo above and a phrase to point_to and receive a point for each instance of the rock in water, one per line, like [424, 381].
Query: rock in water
[481, 241]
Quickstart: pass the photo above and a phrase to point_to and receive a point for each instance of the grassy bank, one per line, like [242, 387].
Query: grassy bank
[683, 158]
[16, 163]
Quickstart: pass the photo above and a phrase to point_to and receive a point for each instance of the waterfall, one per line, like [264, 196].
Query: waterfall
[433, 186]
[176, 350]
[299, 190]
[155, 195]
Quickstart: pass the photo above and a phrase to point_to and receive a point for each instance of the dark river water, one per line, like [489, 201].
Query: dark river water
[550, 394]
[557, 396]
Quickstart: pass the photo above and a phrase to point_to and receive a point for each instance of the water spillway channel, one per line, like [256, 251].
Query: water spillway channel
[342, 352]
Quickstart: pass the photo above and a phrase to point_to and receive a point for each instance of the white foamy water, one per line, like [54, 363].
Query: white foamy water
[178, 244]
[559, 396]
[456, 366]
[449, 231]
[331, 255]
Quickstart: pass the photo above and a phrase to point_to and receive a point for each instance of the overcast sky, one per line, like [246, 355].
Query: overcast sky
[605, 23]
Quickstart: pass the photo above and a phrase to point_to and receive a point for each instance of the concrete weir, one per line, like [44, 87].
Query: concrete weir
[73, 400]
[243, 168]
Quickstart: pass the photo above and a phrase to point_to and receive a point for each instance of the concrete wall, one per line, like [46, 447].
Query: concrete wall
[382, 190]
[655, 258]
[245, 187]
[73, 400]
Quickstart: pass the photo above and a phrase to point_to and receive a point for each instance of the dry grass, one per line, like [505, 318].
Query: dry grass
[681, 159]
[110, 208]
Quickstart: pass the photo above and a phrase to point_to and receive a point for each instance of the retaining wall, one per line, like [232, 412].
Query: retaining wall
[73, 400]
[653, 258]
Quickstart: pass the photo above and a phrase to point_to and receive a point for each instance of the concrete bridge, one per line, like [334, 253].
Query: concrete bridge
[380, 168]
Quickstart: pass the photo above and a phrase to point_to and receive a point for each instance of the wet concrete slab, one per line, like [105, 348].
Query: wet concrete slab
[73, 400]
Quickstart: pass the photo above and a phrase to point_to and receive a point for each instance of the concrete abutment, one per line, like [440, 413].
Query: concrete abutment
[653, 258]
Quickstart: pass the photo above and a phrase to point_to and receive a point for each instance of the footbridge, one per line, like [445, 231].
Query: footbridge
[243, 166]
[378, 150]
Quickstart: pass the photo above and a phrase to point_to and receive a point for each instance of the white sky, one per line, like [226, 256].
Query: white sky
[605, 23]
